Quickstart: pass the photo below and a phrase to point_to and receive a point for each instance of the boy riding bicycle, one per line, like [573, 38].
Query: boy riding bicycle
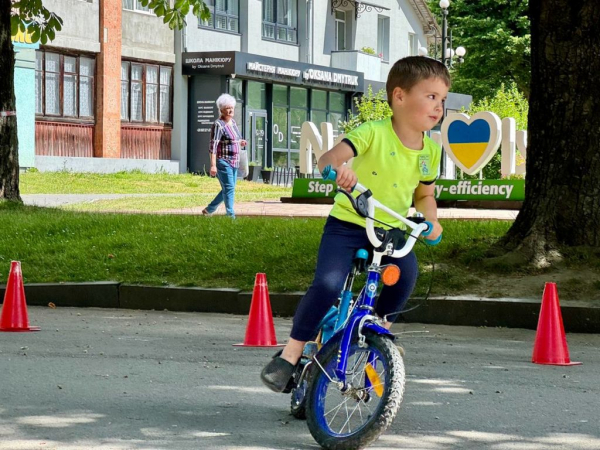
[399, 163]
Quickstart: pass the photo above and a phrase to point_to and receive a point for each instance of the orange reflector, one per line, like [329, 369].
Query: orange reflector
[373, 376]
[390, 274]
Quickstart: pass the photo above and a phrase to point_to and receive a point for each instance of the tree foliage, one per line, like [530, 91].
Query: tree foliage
[496, 34]
[506, 102]
[368, 107]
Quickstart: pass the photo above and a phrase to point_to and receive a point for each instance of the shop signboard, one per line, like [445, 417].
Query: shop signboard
[266, 68]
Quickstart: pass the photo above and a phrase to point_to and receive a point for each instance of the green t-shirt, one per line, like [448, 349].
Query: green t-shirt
[389, 169]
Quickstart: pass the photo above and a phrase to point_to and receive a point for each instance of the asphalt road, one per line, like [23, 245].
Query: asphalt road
[121, 379]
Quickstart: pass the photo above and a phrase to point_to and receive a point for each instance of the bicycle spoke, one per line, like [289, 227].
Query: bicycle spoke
[348, 419]
[338, 407]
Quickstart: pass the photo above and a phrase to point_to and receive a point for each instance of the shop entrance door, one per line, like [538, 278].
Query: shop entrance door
[257, 142]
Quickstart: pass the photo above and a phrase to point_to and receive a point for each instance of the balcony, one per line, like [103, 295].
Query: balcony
[369, 65]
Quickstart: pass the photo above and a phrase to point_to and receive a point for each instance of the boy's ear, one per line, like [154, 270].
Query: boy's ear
[398, 95]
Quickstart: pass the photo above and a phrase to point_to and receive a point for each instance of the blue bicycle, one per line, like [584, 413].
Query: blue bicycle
[351, 379]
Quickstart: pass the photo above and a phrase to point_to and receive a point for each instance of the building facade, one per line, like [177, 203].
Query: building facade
[104, 89]
[285, 62]
[119, 90]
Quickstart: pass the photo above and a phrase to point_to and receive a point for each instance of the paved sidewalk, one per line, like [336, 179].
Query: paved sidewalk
[276, 208]
[273, 208]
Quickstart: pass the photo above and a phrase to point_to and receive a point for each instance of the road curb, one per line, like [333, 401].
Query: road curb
[468, 311]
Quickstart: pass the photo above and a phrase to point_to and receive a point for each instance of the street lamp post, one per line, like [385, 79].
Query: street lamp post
[447, 53]
[444, 4]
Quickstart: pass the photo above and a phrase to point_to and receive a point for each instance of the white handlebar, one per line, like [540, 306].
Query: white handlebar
[417, 229]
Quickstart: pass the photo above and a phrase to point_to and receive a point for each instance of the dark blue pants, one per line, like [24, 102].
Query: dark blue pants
[227, 176]
[339, 244]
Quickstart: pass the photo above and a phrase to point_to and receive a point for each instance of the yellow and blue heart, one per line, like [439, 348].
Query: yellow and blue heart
[469, 142]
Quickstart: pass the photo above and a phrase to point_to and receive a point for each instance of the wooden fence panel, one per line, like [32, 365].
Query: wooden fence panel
[145, 142]
[64, 139]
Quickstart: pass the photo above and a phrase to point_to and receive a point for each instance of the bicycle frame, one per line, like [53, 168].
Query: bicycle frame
[362, 316]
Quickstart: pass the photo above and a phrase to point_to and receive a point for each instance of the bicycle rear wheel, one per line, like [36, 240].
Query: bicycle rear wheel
[355, 418]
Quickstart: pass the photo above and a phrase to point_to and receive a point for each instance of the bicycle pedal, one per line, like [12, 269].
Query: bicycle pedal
[290, 386]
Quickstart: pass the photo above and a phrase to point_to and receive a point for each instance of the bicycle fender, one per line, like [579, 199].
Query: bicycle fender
[378, 329]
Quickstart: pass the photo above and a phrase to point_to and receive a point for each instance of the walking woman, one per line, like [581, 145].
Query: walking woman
[225, 144]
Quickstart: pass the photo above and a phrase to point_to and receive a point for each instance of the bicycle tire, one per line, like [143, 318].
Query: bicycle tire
[298, 401]
[388, 362]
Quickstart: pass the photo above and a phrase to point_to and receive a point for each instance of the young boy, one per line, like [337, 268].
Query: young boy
[396, 161]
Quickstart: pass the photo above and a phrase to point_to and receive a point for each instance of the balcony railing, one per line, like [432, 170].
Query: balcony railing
[369, 65]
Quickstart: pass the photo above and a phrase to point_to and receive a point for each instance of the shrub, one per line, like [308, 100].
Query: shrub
[369, 107]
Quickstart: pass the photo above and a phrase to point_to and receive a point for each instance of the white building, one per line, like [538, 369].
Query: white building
[286, 61]
[118, 90]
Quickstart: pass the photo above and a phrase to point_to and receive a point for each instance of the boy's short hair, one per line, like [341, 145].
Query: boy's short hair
[407, 72]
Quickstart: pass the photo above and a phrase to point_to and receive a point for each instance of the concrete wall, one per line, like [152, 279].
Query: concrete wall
[316, 40]
[323, 39]
[146, 37]
[179, 134]
[80, 30]
[204, 39]
[253, 37]
[103, 165]
[25, 97]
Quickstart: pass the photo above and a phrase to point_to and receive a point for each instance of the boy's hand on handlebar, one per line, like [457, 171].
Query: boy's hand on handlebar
[346, 178]
[437, 231]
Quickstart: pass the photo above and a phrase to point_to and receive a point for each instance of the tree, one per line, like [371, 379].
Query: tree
[497, 38]
[561, 208]
[32, 17]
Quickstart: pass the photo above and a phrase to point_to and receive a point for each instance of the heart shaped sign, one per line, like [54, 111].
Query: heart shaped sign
[471, 141]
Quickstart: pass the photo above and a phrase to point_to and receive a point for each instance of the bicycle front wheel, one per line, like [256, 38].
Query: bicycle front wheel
[359, 415]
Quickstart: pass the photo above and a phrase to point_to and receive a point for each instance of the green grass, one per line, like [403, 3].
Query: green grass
[134, 183]
[176, 191]
[63, 246]
[84, 242]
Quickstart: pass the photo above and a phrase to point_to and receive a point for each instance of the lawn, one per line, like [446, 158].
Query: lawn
[57, 246]
[84, 242]
[174, 191]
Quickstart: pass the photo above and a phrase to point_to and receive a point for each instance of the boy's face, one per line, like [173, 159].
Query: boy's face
[423, 106]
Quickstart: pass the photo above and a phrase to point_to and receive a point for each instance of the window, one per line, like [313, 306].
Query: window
[280, 125]
[413, 44]
[337, 111]
[146, 93]
[236, 89]
[224, 15]
[257, 95]
[280, 20]
[383, 37]
[298, 114]
[135, 5]
[64, 85]
[340, 30]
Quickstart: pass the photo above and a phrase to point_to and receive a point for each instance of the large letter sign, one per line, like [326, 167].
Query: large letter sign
[311, 140]
[471, 141]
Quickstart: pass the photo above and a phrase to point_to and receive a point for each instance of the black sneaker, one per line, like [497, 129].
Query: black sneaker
[278, 374]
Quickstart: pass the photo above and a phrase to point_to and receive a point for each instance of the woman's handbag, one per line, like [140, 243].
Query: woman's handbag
[243, 169]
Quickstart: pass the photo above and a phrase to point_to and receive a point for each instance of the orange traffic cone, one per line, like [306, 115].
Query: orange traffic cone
[260, 331]
[550, 342]
[14, 309]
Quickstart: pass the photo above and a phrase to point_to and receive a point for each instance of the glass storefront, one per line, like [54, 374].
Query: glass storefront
[237, 92]
[291, 106]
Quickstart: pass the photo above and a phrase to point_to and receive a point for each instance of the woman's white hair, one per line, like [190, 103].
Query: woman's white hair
[225, 100]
